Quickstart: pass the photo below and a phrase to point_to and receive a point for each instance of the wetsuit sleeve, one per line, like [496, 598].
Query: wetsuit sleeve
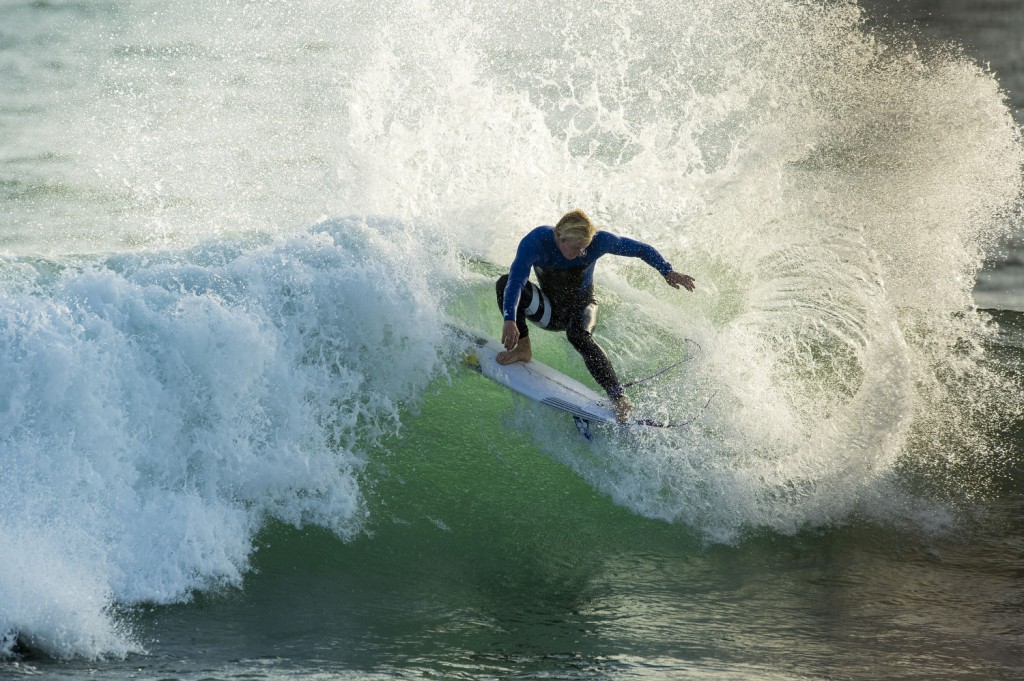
[517, 276]
[631, 248]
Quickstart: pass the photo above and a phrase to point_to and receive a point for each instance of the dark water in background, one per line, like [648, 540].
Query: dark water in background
[236, 444]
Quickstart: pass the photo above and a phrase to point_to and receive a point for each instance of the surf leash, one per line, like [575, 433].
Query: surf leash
[682, 424]
[667, 369]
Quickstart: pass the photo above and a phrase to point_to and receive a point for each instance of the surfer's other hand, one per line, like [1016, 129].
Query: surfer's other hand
[509, 335]
[675, 280]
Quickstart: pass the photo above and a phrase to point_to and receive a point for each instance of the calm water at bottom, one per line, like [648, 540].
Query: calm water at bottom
[856, 603]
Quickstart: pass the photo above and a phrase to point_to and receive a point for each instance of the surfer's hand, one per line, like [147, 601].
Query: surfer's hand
[509, 335]
[675, 280]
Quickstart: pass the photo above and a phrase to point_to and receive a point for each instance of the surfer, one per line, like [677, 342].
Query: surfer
[563, 258]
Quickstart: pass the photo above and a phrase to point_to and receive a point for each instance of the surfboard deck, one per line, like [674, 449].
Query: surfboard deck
[546, 385]
[538, 381]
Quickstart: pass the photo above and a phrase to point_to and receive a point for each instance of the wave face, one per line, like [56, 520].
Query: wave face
[221, 363]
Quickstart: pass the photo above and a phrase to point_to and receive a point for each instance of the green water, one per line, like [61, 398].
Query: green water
[486, 559]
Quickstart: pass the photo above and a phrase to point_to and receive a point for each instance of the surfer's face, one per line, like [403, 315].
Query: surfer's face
[571, 248]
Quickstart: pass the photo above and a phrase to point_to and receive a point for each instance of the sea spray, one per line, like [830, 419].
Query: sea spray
[832, 189]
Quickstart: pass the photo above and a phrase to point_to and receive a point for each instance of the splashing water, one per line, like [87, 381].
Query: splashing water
[833, 192]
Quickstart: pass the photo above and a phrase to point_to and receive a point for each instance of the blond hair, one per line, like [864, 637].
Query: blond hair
[575, 226]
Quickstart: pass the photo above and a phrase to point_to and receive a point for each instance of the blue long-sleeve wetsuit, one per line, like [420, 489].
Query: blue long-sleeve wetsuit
[565, 298]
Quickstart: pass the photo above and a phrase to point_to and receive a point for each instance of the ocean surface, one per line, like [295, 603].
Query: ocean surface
[238, 442]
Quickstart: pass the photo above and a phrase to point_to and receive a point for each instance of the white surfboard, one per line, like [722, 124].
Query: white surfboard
[540, 382]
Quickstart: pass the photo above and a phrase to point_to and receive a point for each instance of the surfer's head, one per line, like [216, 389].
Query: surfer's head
[573, 234]
[575, 226]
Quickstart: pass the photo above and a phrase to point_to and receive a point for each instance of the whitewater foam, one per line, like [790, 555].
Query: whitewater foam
[159, 408]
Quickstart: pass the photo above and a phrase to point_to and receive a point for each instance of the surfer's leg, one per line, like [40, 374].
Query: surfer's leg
[580, 333]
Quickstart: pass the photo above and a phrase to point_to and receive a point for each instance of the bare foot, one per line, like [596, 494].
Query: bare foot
[623, 408]
[522, 352]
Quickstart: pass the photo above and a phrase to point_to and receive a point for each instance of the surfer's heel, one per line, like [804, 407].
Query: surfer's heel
[623, 408]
